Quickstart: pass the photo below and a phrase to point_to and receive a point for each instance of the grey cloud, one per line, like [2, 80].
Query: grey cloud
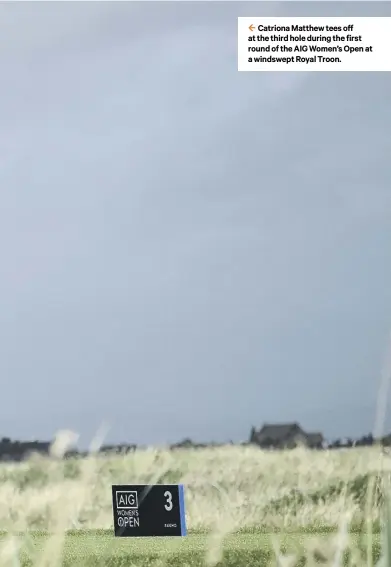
[186, 249]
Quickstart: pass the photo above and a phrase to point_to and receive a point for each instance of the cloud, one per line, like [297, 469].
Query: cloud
[204, 242]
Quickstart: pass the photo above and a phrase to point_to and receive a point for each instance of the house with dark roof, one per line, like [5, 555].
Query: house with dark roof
[285, 436]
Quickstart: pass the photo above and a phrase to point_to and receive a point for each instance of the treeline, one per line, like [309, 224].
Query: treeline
[365, 441]
[20, 450]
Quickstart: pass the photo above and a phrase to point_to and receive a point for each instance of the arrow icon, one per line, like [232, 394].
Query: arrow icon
[251, 28]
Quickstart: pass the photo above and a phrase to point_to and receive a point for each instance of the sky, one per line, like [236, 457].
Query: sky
[186, 250]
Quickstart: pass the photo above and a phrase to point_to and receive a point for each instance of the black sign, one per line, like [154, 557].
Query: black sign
[149, 510]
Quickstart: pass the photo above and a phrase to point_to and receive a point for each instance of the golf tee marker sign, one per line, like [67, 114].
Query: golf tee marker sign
[142, 510]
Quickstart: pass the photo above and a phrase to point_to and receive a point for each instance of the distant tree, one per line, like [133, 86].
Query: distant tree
[364, 441]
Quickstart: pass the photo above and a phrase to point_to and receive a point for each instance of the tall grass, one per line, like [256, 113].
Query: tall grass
[228, 489]
[281, 489]
[243, 485]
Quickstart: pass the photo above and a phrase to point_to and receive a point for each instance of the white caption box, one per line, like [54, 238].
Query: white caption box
[314, 44]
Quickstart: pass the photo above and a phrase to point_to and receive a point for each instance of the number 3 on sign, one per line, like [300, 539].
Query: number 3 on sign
[168, 505]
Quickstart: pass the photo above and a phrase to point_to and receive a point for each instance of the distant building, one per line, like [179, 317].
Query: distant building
[285, 436]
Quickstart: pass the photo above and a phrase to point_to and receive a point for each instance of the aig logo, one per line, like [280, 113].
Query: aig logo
[126, 499]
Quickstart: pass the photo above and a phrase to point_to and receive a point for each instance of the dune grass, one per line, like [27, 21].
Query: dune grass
[241, 505]
[230, 487]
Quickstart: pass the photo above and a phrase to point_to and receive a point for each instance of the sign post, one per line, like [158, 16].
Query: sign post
[142, 510]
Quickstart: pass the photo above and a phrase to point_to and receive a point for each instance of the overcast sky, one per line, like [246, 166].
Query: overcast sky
[186, 250]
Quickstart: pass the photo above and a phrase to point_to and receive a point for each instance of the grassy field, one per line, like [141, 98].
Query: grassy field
[240, 504]
[238, 550]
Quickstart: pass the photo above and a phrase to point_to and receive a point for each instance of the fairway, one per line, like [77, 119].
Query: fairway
[91, 548]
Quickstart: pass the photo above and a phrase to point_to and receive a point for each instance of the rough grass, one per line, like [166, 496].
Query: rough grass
[238, 500]
[234, 487]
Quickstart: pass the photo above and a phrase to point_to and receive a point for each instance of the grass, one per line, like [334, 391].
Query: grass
[234, 487]
[89, 548]
[242, 505]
